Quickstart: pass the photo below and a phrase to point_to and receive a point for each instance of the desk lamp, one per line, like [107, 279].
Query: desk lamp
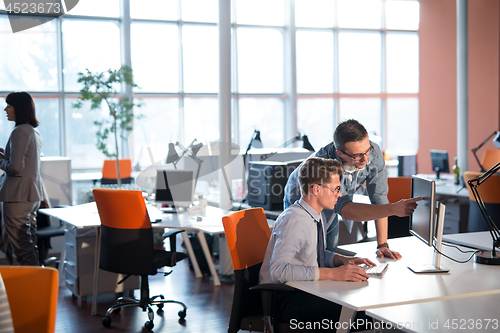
[487, 257]
[191, 150]
[496, 142]
[305, 144]
[255, 142]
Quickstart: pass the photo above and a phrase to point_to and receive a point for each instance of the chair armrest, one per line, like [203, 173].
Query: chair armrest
[172, 233]
[267, 290]
[272, 287]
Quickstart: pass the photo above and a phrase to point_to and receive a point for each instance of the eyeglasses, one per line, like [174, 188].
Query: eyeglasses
[335, 191]
[357, 157]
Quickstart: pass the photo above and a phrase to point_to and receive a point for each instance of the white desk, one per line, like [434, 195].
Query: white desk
[401, 286]
[86, 216]
[477, 314]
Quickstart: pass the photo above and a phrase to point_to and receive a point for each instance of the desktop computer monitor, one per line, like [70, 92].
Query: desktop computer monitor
[175, 187]
[423, 218]
[266, 183]
[427, 222]
[439, 159]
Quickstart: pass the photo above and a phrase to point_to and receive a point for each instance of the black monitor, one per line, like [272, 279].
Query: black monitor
[174, 187]
[266, 183]
[440, 162]
[427, 222]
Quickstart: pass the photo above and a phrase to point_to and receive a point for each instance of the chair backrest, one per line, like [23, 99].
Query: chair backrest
[490, 158]
[489, 190]
[109, 168]
[399, 188]
[247, 234]
[126, 234]
[32, 293]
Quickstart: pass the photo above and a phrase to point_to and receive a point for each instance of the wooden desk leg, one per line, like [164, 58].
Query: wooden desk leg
[93, 311]
[192, 256]
[208, 256]
[346, 317]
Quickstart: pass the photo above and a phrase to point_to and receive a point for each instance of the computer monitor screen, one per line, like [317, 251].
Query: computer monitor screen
[439, 159]
[174, 187]
[422, 221]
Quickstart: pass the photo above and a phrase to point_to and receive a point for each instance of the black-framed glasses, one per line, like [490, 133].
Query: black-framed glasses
[358, 157]
[333, 190]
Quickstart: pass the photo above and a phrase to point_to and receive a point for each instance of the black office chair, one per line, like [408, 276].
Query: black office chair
[44, 233]
[399, 188]
[127, 247]
[247, 233]
[488, 192]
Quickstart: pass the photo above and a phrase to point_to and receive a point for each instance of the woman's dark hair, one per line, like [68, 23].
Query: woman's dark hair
[24, 108]
[348, 131]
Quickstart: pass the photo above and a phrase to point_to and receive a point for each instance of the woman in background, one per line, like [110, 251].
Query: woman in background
[20, 184]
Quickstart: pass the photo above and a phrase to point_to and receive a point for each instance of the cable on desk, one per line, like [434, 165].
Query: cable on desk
[460, 262]
[458, 248]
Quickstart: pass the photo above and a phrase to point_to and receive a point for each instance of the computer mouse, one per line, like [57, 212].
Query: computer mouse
[199, 218]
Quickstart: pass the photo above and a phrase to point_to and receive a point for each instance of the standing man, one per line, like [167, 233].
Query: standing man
[363, 162]
[296, 249]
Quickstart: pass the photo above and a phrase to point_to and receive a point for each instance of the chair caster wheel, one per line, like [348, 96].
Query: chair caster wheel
[149, 325]
[160, 306]
[182, 314]
[106, 321]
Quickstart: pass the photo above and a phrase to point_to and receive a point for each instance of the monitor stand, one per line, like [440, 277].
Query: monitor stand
[172, 209]
[436, 267]
[437, 170]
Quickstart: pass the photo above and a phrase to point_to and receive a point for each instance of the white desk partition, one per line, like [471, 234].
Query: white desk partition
[400, 286]
[477, 314]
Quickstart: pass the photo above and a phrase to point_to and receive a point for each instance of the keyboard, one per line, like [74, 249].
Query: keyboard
[378, 270]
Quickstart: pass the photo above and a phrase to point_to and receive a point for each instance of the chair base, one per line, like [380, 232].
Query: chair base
[124, 302]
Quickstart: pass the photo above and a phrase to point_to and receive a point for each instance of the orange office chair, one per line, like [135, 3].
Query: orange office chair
[490, 158]
[127, 248]
[39, 285]
[109, 174]
[399, 188]
[247, 233]
[489, 192]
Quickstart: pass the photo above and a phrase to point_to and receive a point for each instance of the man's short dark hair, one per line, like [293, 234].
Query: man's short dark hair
[317, 170]
[348, 131]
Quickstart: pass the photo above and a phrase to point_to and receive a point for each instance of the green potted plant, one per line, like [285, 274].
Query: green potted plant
[102, 86]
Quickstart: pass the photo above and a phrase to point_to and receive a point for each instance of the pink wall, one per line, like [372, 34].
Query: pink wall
[438, 98]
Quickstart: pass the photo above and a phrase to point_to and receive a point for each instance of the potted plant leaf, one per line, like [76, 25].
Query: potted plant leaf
[103, 86]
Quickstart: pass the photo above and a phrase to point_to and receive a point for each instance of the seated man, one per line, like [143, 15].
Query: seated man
[296, 249]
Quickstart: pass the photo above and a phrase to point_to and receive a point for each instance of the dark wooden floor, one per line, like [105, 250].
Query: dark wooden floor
[208, 307]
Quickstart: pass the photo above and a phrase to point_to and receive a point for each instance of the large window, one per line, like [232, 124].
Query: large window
[359, 59]
[329, 59]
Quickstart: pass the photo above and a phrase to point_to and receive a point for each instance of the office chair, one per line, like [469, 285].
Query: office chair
[399, 188]
[32, 295]
[247, 233]
[45, 231]
[127, 248]
[109, 174]
[488, 191]
[490, 158]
